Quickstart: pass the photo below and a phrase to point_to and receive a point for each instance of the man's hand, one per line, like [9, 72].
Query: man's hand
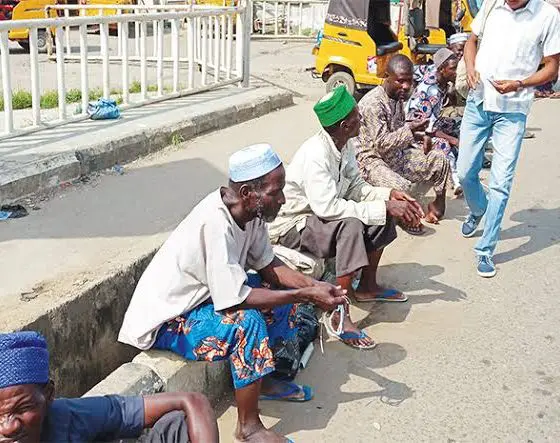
[418, 125]
[323, 295]
[410, 212]
[473, 78]
[506, 86]
[427, 144]
[403, 196]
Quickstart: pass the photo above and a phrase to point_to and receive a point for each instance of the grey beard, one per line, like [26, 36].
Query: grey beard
[266, 219]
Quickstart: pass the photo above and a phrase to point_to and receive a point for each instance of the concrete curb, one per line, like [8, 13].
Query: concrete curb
[42, 175]
[81, 326]
[159, 371]
[82, 331]
[129, 379]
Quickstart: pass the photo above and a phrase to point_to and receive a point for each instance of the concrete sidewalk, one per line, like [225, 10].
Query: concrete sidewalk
[43, 160]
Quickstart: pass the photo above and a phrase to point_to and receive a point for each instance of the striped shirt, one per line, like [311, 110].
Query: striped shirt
[513, 46]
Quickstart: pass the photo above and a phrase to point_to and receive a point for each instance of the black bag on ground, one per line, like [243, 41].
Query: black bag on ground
[287, 353]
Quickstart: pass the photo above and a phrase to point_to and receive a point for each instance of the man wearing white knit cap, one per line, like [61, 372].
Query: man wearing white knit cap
[196, 300]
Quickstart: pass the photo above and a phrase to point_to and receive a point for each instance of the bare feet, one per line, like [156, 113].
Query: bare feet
[349, 326]
[257, 434]
[377, 293]
[282, 390]
[436, 209]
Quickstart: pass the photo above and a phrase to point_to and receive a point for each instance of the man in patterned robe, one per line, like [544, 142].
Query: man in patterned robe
[385, 150]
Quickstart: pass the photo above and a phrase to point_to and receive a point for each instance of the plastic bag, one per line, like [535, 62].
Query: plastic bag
[103, 109]
[288, 353]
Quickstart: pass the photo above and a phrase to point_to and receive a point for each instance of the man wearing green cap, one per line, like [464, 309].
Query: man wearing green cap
[330, 211]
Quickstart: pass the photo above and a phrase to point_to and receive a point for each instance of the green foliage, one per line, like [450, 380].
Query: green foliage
[22, 99]
[49, 100]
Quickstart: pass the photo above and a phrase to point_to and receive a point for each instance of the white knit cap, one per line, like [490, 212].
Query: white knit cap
[460, 37]
[253, 162]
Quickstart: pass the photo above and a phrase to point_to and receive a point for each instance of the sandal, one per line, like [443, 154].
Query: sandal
[412, 230]
[340, 334]
[390, 295]
[287, 395]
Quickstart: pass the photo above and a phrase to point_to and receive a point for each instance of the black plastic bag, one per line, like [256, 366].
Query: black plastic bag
[287, 353]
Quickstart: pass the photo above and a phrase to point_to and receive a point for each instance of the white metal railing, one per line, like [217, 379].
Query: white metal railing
[202, 41]
[293, 19]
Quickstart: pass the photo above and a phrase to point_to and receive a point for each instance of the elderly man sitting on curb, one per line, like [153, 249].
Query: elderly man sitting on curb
[29, 412]
[331, 211]
[195, 300]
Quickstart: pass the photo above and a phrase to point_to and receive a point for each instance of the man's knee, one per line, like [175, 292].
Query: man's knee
[352, 225]
[252, 319]
[465, 173]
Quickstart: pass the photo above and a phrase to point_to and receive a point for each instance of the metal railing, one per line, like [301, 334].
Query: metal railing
[203, 41]
[291, 19]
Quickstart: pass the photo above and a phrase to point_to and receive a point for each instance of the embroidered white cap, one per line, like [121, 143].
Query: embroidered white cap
[253, 162]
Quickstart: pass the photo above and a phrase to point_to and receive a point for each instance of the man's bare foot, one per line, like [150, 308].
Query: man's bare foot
[365, 293]
[349, 326]
[257, 434]
[284, 391]
[436, 209]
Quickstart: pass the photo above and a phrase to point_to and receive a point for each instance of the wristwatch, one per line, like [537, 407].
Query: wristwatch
[520, 84]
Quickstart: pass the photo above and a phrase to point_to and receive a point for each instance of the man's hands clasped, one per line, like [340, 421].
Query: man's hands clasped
[404, 207]
[323, 295]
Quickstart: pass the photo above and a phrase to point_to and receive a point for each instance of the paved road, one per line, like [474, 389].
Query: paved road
[464, 360]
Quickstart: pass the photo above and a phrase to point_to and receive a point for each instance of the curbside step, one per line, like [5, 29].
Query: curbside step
[128, 379]
[178, 374]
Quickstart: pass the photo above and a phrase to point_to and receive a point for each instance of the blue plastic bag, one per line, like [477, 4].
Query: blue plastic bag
[103, 109]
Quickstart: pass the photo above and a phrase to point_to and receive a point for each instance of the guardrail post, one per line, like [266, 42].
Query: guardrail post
[60, 73]
[175, 52]
[159, 62]
[244, 43]
[229, 47]
[217, 48]
[6, 83]
[143, 67]
[125, 79]
[204, 43]
[191, 50]
[67, 33]
[104, 33]
[263, 18]
[300, 28]
[119, 34]
[35, 87]
[84, 68]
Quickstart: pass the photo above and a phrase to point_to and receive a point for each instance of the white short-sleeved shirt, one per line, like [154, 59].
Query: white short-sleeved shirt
[512, 47]
[205, 257]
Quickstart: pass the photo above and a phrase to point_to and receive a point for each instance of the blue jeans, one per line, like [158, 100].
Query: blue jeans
[507, 131]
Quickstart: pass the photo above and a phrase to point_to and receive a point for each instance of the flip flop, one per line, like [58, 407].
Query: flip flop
[286, 395]
[389, 295]
[349, 335]
[416, 231]
[342, 335]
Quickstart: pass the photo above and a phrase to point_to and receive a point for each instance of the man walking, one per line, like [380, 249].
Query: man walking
[502, 73]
